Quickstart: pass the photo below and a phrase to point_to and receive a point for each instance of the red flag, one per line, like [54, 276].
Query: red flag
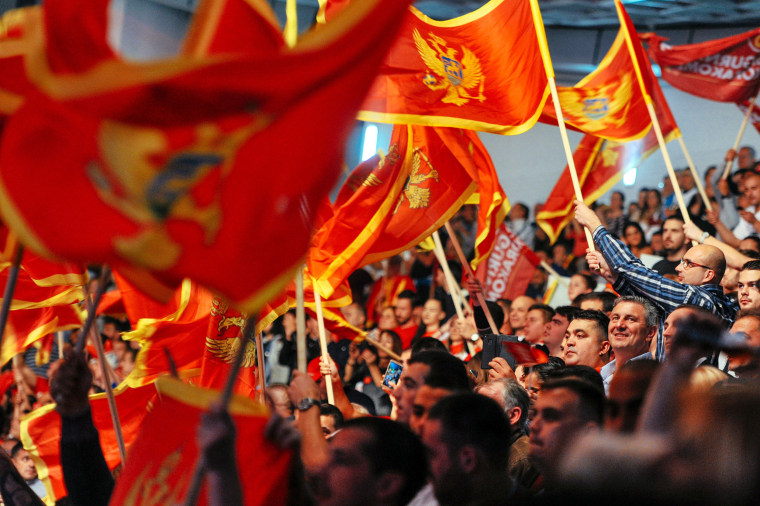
[182, 333]
[158, 154]
[600, 165]
[41, 432]
[725, 70]
[754, 117]
[481, 71]
[525, 354]
[425, 178]
[509, 268]
[224, 337]
[162, 460]
[14, 43]
[25, 326]
[609, 102]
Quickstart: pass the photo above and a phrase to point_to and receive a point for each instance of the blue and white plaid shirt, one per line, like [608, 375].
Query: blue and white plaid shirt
[634, 278]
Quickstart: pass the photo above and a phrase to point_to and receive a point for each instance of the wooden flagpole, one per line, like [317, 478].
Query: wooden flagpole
[262, 376]
[194, 490]
[549, 68]
[548, 268]
[652, 116]
[466, 265]
[300, 323]
[453, 286]
[727, 169]
[382, 347]
[695, 174]
[88, 330]
[291, 22]
[10, 288]
[323, 344]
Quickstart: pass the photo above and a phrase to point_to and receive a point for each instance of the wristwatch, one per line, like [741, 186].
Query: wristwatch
[307, 403]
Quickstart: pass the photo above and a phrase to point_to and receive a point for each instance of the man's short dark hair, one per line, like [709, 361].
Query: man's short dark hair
[394, 447]
[583, 372]
[455, 268]
[548, 311]
[606, 298]
[543, 370]
[601, 320]
[753, 254]
[326, 409]
[407, 294]
[590, 395]
[754, 238]
[676, 217]
[568, 312]
[752, 265]
[474, 420]
[428, 344]
[446, 370]
[497, 313]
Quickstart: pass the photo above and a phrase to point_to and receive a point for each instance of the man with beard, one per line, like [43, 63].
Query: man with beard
[675, 243]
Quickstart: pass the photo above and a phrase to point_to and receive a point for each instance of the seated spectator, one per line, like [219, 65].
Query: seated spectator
[579, 284]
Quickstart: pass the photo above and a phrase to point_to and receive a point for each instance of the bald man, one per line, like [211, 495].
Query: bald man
[518, 314]
[699, 274]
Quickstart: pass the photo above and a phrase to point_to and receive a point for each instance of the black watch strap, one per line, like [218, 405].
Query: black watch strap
[307, 403]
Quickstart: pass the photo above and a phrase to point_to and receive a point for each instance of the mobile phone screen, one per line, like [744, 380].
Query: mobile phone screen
[392, 373]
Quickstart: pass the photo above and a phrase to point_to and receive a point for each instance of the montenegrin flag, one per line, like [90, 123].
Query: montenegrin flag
[162, 459]
[426, 176]
[181, 333]
[481, 71]
[725, 70]
[600, 164]
[41, 432]
[181, 166]
[609, 102]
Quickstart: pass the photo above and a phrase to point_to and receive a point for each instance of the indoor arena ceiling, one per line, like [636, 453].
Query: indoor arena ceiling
[648, 14]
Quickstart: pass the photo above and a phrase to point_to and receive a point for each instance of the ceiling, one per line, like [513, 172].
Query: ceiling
[646, 14]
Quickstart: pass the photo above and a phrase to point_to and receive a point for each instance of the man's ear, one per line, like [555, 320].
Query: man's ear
[651, 333]
[514, 415]
[468, 459]
[389, 486]
[604, 348]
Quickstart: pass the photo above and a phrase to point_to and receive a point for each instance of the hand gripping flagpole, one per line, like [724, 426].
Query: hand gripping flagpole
[738, 141]
[549, 68]
[323, 342]
[194, 490]
[10, 288]
[466, 265]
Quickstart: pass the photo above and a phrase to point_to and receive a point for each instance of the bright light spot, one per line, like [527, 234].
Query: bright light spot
[369, 148]
[629, 178]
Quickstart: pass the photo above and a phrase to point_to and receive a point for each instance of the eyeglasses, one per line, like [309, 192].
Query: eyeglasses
[688, 264]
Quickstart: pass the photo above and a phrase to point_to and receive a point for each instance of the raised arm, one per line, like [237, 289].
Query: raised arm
[733, 257]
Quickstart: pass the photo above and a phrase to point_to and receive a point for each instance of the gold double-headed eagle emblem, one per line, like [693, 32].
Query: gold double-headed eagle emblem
[417, 195]
[461, 78]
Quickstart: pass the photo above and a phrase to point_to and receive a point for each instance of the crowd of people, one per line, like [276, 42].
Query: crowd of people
[648, 391]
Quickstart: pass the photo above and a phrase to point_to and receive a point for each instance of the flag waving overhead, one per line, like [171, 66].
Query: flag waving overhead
[183, 166]
[426, 176]
[162, 460]
[725, 70]
[509, 268]
[600, 164]
[481, 71]
[608, 102]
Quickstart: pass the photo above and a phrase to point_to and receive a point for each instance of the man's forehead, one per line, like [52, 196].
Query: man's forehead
[673, 225]
[749, 275]
[585, 325]
[679, 314]
[560, 319]
[417, 371]
[561, 399]
[427, 395]
[628, 308]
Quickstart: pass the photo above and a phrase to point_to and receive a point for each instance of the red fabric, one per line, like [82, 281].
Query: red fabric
[726, 70]
[509, 268]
